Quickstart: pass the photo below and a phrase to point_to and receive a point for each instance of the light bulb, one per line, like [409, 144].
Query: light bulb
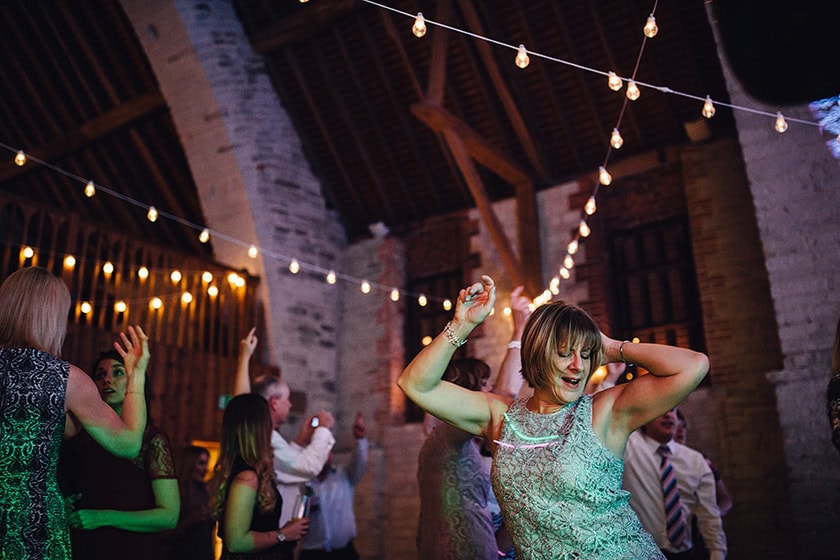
[616, 141]
[633, 92]
[604, 176]
[90, 189]
[120, 306]
[294, 266]
[419, 27]
[253, 251]
[212, 291]
[564, 273]
[584, 229]
[233, 279]
[28, 252]
[614, 81]
[330, 277]
[569, 262]
[186, 298]
[175, 276]
[108, 267]
[85, 307]
[365, 287]
[142, 273]
[395, 295]
[573, 246]
[69, 261]
[426, 340]
[447, 304]
[590, 207]
[708, 108]
[240, 282]
[20, 158]
[554, 285]
[303, 1]
[522, 59]
[422, 300]
[152, 214]
[204, 236]
[506, 311]
[650, 29]
[781, 124]
[156, 303]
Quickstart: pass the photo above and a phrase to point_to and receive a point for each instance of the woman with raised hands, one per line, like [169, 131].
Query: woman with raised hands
[557, 455]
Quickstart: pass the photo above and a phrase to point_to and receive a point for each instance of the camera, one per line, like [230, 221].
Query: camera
[314, 422]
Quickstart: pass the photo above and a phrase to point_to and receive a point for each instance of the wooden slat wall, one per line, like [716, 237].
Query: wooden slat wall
[193, 346]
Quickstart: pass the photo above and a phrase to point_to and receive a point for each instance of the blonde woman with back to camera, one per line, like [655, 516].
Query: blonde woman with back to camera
[38, 391]
[557, 456]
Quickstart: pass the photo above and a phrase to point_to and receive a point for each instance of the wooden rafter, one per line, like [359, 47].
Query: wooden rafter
[306, 23]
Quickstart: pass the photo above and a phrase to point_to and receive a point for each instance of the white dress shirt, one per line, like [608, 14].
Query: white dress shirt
[696, 485]
[294, 465]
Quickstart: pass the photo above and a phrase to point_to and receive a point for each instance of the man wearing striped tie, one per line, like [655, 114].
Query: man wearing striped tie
[669, 483]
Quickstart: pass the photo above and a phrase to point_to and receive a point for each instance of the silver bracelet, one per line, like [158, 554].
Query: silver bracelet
[514, 344]
[621, 350]
[451, 337]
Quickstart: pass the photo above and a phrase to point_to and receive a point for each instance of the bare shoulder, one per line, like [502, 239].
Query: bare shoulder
[247, 477]
[498, 406]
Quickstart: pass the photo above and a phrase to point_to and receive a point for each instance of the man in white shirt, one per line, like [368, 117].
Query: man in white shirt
[300, 460]
[695, 483]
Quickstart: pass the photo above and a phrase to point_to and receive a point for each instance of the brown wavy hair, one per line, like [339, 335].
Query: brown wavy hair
[550, 327]
[246, 433]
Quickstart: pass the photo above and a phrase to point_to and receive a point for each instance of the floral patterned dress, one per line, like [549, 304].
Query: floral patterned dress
[560, 489]
[33, 524]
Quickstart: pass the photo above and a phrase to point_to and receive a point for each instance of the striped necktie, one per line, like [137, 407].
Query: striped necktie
[674, 520]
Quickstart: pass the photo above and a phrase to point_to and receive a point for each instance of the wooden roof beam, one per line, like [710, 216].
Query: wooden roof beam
[301, 26]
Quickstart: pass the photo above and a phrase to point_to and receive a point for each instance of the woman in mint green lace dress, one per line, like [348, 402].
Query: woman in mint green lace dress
[557, 456]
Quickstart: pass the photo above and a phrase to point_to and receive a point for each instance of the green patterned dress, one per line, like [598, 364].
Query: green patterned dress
[32, 518]
[560, 489]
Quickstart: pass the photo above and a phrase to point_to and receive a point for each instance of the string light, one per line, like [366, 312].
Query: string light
[85, 307]
[204, 236]
[121, 306]
[294, 266]
[330, 277]
[90, 189]
[447, 304]
[506, 311]
[422, 300]
[253, 251]
[176, 276]
[564, 273]
[156, 303]
[206, 276]
[28, 252]
[583, 229]
[20, 158]
[616, 141]
[554, 285]
[365, 287]
[633, 91]
[590, 207]
[419, 27]
[573, 247]
[522, 59]
[613, 81]
[108, 268]
[708, 108]
[569, 262]
[69, 261]
[212, 291]
[650, 29]
[781, 124]
[426, 340]
[186, 298]
[142, 273]
[395, 295]
[152, 214]
[604, 176]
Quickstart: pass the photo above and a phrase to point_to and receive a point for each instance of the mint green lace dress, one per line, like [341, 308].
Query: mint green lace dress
[560, 489]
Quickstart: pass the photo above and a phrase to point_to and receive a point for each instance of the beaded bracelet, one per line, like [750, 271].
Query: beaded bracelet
[451, 337]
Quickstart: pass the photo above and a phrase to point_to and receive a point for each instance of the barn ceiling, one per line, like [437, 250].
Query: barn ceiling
[374, 105]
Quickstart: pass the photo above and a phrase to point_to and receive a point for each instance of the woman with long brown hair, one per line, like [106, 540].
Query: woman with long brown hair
[246, 499]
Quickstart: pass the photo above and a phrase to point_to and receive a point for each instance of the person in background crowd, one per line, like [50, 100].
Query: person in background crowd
[119, 504]
[332, 521]
[724, 498]
[669, 483]
[557, 456]
[246, 500]
[193, 537]
[43, 397]
[296, 462]
[455, 521]
[834, 391]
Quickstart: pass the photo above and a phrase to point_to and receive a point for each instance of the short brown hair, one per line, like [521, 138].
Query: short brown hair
[34, 305]
[550, 327]
[467, 372]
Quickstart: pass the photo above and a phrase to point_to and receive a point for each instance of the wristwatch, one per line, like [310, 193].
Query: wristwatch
[281, 537]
